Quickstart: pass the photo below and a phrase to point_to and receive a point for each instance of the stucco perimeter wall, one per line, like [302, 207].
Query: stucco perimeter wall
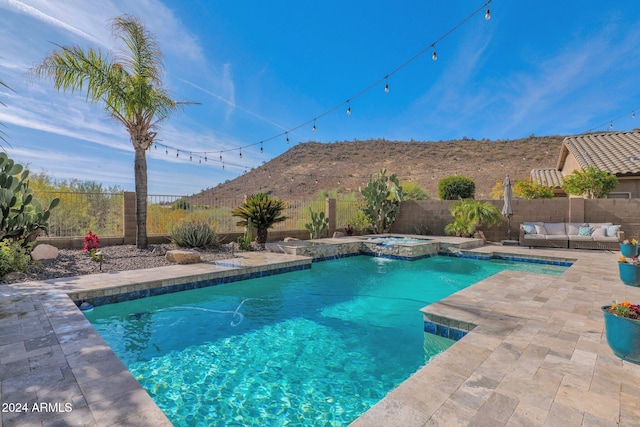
[418, 217]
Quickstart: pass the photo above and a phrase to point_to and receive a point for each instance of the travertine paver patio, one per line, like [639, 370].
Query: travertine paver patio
[537, 357]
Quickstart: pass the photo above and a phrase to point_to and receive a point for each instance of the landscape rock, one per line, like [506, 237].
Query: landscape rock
[183, 256]
[338, 234]
[290, 239]
[44, 251]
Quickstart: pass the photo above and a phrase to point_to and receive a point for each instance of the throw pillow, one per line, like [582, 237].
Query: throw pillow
[541, 230]
[612, 230]
[529, 229]
[599, 232]
[585, 231]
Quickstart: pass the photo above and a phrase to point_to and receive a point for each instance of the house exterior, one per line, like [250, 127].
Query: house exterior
[615, 152]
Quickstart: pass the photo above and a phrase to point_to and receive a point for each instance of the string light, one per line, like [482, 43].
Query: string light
[384, 79]
[190, 157]
[177, 153]
[434, 55]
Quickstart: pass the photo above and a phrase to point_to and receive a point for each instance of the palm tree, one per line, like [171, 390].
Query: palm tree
[469, 214]
[129, 87]
[261, 211]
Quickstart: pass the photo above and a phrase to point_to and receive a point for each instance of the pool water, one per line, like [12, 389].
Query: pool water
[390, 240]
[312, 347]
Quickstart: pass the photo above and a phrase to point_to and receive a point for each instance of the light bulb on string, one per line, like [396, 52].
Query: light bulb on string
[633, 114]
[348, 108]
[241, 153]
[261, 148]
[155, 146]
[166, 151]
[611, 125]
[200, 161]
[205, 157]
[386, 84]
[190, 157]
[487, 15]
[314, 125]
[177, 153]
[288, 138]
[434, 55]
[222, 165]
[221, 156]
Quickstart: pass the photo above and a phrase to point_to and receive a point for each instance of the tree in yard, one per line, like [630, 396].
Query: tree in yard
[128, 85]
[589, 183]
[260, 211]
[469, 214]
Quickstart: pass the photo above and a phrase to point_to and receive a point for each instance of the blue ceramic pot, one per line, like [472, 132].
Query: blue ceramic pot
[623, 336]
[629, 250]
[629, 274]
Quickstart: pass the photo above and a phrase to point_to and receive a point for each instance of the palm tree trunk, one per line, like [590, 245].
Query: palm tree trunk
[140, 165]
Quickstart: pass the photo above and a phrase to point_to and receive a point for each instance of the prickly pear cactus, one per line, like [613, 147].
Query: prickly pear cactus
[22, 217]
[318, 225]
[382, 197]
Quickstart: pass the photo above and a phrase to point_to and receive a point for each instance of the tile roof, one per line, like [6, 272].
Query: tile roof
[615, 152]
[548, 177]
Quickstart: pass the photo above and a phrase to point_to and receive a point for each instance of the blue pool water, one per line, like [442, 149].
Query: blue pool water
[312, 347]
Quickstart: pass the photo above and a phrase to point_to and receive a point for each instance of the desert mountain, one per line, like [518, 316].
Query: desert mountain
[308, 168]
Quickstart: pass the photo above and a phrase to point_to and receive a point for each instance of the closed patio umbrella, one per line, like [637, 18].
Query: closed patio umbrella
[507, 210]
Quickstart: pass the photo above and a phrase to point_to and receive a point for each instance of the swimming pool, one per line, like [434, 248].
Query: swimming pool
[313, 347]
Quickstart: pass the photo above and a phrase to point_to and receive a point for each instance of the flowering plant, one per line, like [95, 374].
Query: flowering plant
[629, 260]
[625, 309]
[631, 241]
[91, 242]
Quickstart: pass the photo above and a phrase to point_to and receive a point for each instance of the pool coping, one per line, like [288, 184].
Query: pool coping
[53, 355]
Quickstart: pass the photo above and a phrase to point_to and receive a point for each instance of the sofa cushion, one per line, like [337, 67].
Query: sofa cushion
[585, 231]
[599, 224]
[555, 228]
[599, 232]
[529, 228]
[574, 227]
[612, 230]
[534, 236]
[541, 230]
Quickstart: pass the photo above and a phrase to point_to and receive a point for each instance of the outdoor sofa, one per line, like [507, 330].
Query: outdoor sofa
[571, 235]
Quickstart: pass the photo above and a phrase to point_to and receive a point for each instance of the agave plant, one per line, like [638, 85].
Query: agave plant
[262, 212]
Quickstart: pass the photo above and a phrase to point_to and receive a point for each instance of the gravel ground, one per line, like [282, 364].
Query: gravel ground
[74, 262]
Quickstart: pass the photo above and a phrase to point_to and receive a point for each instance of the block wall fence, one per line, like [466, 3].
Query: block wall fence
[424, 217]
[415, 216]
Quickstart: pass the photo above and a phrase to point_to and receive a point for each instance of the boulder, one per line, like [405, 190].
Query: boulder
[183, 256]
[44, 251]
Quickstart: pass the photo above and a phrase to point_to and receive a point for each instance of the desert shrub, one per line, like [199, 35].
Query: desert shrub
[13, 257]
[414, 191]
[456, 187]
[195, 235]
[527, 189]
[181, 204]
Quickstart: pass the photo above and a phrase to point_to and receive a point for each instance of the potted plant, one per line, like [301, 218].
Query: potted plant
[629, 268]
[622, 328]
[629, 247]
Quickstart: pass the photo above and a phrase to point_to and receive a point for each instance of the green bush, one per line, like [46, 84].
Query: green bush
[195, 235]
[181, 204]
[529, 190]
[13, 257]
[456, 187]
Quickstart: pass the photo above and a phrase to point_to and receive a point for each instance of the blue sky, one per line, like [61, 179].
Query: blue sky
[259, 69]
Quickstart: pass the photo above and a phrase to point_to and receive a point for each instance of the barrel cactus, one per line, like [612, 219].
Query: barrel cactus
[22, 216]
